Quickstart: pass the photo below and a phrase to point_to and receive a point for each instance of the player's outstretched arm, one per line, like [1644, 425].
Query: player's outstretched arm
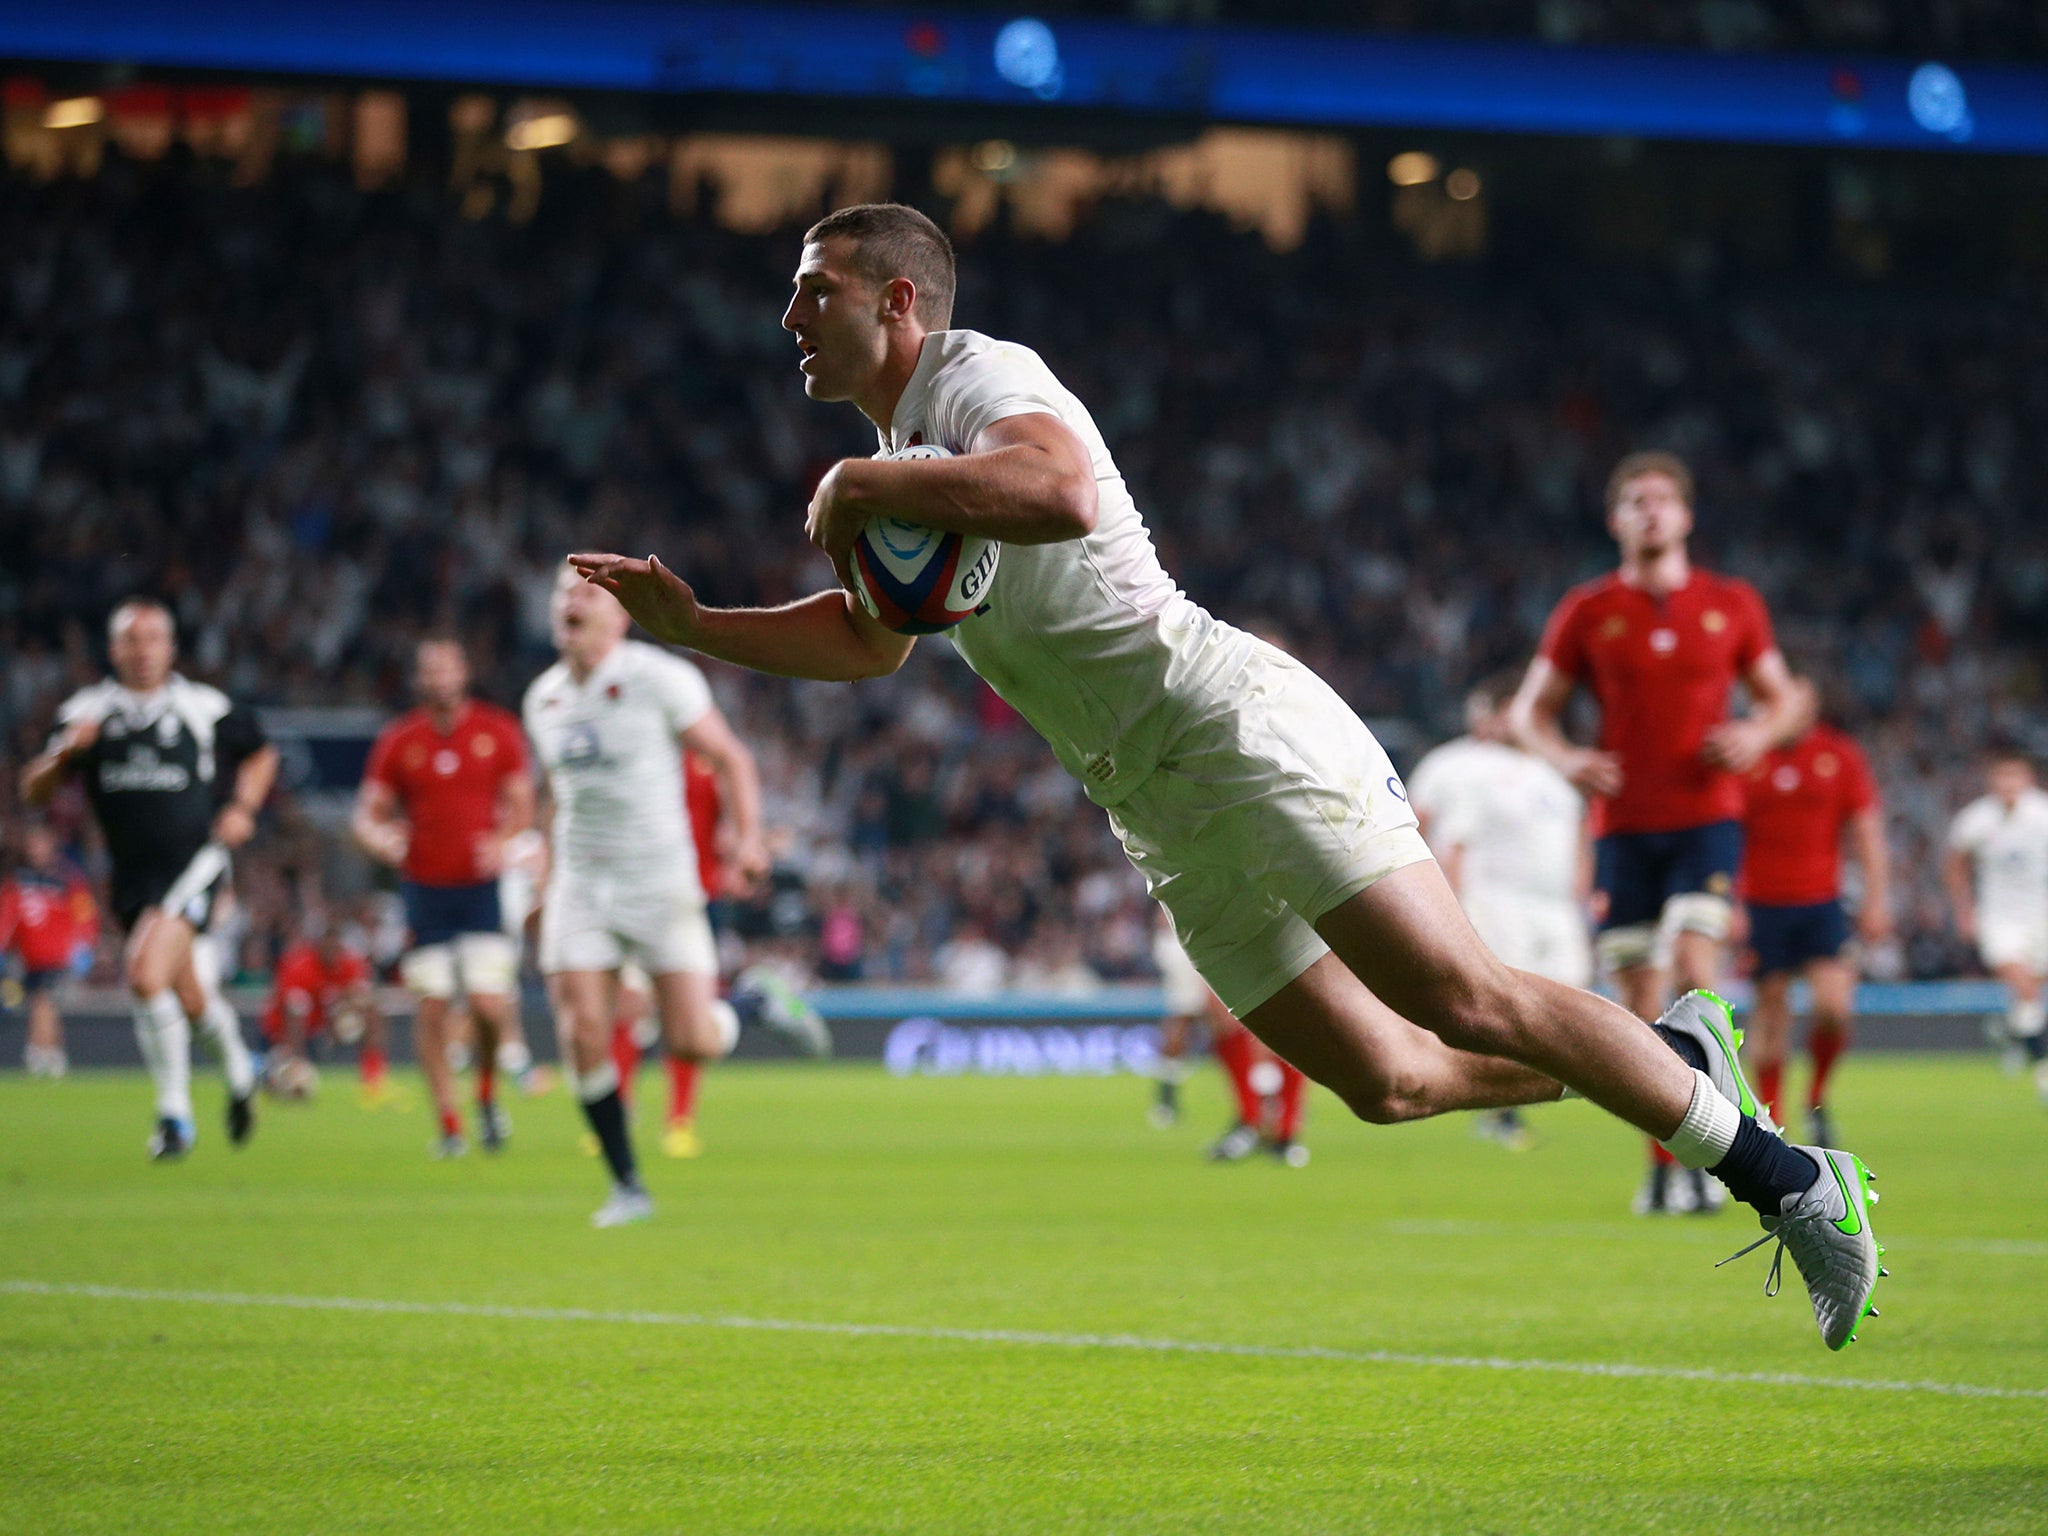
[825, 637]
[1024, 480]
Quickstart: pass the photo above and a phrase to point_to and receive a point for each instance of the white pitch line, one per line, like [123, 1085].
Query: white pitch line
[1026, 1338]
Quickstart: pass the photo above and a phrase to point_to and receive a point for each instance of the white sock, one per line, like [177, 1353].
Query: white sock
[595, 1084]
[224, 1028]
[1708, 1130]
[514, 1059]
[2023, 1021]
[166, 1041]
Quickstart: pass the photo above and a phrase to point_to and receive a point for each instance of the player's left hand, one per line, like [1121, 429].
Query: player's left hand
[1737, 745]
[833, 520]
[233, 827]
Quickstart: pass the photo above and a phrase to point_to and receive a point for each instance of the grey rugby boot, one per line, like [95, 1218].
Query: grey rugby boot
[1827, 1227]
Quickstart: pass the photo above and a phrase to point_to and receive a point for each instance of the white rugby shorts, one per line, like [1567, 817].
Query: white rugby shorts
[1187, 995]
[468, 965]
[1545, 935]
[599, 923]
[2014, 939]
[1260, 819]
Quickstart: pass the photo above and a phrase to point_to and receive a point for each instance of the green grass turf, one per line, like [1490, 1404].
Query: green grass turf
[840, 1195]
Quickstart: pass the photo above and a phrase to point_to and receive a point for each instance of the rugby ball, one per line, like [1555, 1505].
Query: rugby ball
[917, 580]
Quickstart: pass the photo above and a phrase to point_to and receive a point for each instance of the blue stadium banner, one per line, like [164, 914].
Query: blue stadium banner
[1238, 74]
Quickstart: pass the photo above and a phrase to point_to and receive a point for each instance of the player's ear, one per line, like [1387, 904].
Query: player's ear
[899, 298]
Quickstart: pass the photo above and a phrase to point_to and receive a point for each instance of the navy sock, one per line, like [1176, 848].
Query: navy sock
[1760, 1170]
[607, 1117]
[2035, 1045]
[1688, 1049]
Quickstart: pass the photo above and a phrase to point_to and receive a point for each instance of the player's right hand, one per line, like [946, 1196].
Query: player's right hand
[659, 600]
[1595, 773]
[390, 843]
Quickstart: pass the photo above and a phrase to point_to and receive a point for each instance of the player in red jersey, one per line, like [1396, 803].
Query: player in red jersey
[323, 985]
[446, 786]
[1799, 801]
[1661, 645]
[49, 921]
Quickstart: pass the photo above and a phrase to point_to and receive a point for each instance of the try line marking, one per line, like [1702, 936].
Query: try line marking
[1024, 1338]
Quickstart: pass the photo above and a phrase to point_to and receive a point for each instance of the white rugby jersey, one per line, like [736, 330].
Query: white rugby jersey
[1516, 817]
[2009, 853]
[1088, 639]
[608, 746]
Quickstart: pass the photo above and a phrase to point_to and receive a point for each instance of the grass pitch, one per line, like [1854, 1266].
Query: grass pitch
[1442, 1319]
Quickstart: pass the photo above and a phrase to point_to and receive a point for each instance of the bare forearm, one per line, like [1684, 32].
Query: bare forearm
[816, 637]
[254, 779]
[1874, 854]
[39, 780]
[1019, 494]
[1538, 732]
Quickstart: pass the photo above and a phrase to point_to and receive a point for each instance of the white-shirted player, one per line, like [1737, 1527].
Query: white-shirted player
[1997, 876]
[609, 723]
[1508, 830]
[1261, 811]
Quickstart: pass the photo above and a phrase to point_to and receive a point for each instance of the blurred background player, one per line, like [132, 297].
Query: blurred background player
[176, 774]
[323, 985]
[50, 925]
[446, 787]
[1660, 644]
[1188, 1000]
[1799, 801]
[1508, 830]
[610, 722]
[1997, 877]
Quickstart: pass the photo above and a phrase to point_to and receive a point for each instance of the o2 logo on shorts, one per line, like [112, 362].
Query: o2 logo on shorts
[580, 746]
[1394, 788]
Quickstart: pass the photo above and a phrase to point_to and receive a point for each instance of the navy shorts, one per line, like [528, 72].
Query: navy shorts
[1785, 938]
[1640, 871]
[438, 914]
[36, 981]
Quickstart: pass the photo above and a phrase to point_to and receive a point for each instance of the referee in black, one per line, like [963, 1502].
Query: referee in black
[176, 774]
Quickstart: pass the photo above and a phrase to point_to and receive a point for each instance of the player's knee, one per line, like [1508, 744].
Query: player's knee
[1476, 1013]
[1383, 1101]
[147, 975]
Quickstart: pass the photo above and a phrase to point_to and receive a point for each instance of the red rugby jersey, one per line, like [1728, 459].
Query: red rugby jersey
[46, 917]
[448, 786]
[701, 798]
[301, 970]
[1797, 801]
[1662, 670]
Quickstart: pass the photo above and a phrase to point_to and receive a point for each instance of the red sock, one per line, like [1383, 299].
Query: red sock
[1234, 1053]
[1770, 1082]
[1660, 1158]
[1826, 1046]
[1293, 1099]
[682, 1089]
[371, 1065]
[486, 1078]
[451, 1122]
[626, 1057]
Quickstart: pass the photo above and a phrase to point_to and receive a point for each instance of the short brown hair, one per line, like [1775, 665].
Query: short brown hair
[892, 241]
[1652, 462]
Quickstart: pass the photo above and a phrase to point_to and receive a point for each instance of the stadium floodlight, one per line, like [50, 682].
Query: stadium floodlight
[74, 112]
[549, 130]
[1412, 168]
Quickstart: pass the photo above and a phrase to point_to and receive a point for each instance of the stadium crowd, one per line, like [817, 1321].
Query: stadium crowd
[322, 421]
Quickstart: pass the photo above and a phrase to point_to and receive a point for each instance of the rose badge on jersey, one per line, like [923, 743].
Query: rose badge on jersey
[917, 580]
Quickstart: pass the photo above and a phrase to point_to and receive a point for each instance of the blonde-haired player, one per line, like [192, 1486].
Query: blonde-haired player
[609, 723]
[1997, 877]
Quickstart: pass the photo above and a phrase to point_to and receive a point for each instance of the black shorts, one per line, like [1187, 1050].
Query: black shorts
[196, 885]
[1786, 938]
[1640, 871]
